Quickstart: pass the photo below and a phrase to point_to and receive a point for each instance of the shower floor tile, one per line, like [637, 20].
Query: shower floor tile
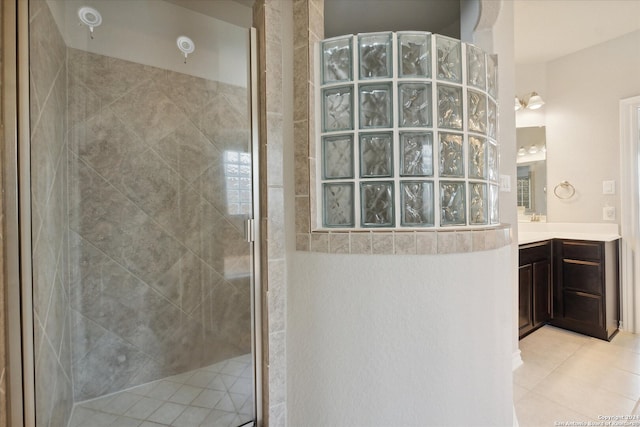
[219, 395]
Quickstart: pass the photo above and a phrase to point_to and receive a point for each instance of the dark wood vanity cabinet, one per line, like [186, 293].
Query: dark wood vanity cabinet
[572, 284]
[535, 286]
[586, 287]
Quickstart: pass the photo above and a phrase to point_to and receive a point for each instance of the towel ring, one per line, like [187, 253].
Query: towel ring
[565, 185]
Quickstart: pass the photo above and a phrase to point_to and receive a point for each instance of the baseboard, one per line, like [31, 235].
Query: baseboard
[516, 360]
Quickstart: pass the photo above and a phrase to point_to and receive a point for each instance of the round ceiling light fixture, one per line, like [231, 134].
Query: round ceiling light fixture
[90, 17]
[186, 46]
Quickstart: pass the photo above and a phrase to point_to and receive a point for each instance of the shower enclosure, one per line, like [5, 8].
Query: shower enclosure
[141, 200]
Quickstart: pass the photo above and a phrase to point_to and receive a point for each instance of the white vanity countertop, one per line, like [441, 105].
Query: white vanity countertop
[529, 232]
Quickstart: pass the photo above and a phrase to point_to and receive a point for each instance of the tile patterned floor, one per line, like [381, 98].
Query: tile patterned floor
[219, 395]
[572, 377]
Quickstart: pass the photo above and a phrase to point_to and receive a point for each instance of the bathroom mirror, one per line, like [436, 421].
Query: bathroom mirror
[532, 173]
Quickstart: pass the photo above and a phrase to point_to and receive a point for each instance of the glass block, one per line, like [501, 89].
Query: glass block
[451, 155]
[336, 60]
[376, 155]
[414, 59]
[494, 204]
[452, 203]
[416, 199]
[377, 204]
[494, 208]
[415, 104]
[477, 157]
[492, 162]
[492, 119]
[337, 158]
[492, 75]
[448, 61]
[375, 106]
[450, 107]
[478, 204]
[375, 55]
[338, 205]
[416, 154]
[476, 67]
[244, 183]
[337, 108]
[476, 112]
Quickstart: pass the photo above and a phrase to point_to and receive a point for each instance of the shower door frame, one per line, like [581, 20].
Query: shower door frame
[16, 201]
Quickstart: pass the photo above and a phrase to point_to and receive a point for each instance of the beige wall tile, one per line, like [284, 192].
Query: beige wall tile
[361, 243]
[478, 240]
[339, 243]
[446, 242]
[382, 243]
[320, 242]
[464, 242]
[405, 243]
[426, 243]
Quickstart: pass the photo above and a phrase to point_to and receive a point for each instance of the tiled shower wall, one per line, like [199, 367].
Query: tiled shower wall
[48, 93]
[160, 278]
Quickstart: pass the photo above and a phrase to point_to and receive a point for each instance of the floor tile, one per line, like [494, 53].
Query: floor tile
[186, 394]
[121, 403]
[583, 397]
[572, 377]
[219, 418]
[218, 395]
[163, 390]
[167, 413]
[125, 422]
[201, 378]
[537, 411]
[191, 417]
[208, 398]
[143, 408]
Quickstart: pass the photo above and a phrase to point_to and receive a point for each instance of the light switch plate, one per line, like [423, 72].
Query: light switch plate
[609, 213]
[505, 183]
[608, 187]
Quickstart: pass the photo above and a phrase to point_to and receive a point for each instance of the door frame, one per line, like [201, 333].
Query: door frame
[16, 202]
[630, 214]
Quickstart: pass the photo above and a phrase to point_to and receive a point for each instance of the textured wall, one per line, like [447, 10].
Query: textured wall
[49, 211]
[159, 279]
[583, 126]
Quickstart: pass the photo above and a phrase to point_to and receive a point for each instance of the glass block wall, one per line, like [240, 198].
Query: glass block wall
[408, 134]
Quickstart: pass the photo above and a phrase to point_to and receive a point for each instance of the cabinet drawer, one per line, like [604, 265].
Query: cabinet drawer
[583, 308]
[582, 276]
[582, 250]
[534, 252]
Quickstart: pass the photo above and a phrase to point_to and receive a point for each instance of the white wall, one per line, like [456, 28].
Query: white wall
[583, 125]
[145, 31]
[499, 39]
[399, 340]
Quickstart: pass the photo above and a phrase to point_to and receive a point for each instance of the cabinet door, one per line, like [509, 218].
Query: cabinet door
[541, 292]
[525, 283]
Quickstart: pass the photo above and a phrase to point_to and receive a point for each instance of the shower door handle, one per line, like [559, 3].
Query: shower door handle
[249, 230]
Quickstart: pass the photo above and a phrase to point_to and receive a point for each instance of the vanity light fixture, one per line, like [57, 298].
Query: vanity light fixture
[522, 151]
[533, 149]
[534, 101]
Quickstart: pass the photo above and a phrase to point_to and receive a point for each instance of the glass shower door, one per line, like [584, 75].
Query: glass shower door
[141, 171]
